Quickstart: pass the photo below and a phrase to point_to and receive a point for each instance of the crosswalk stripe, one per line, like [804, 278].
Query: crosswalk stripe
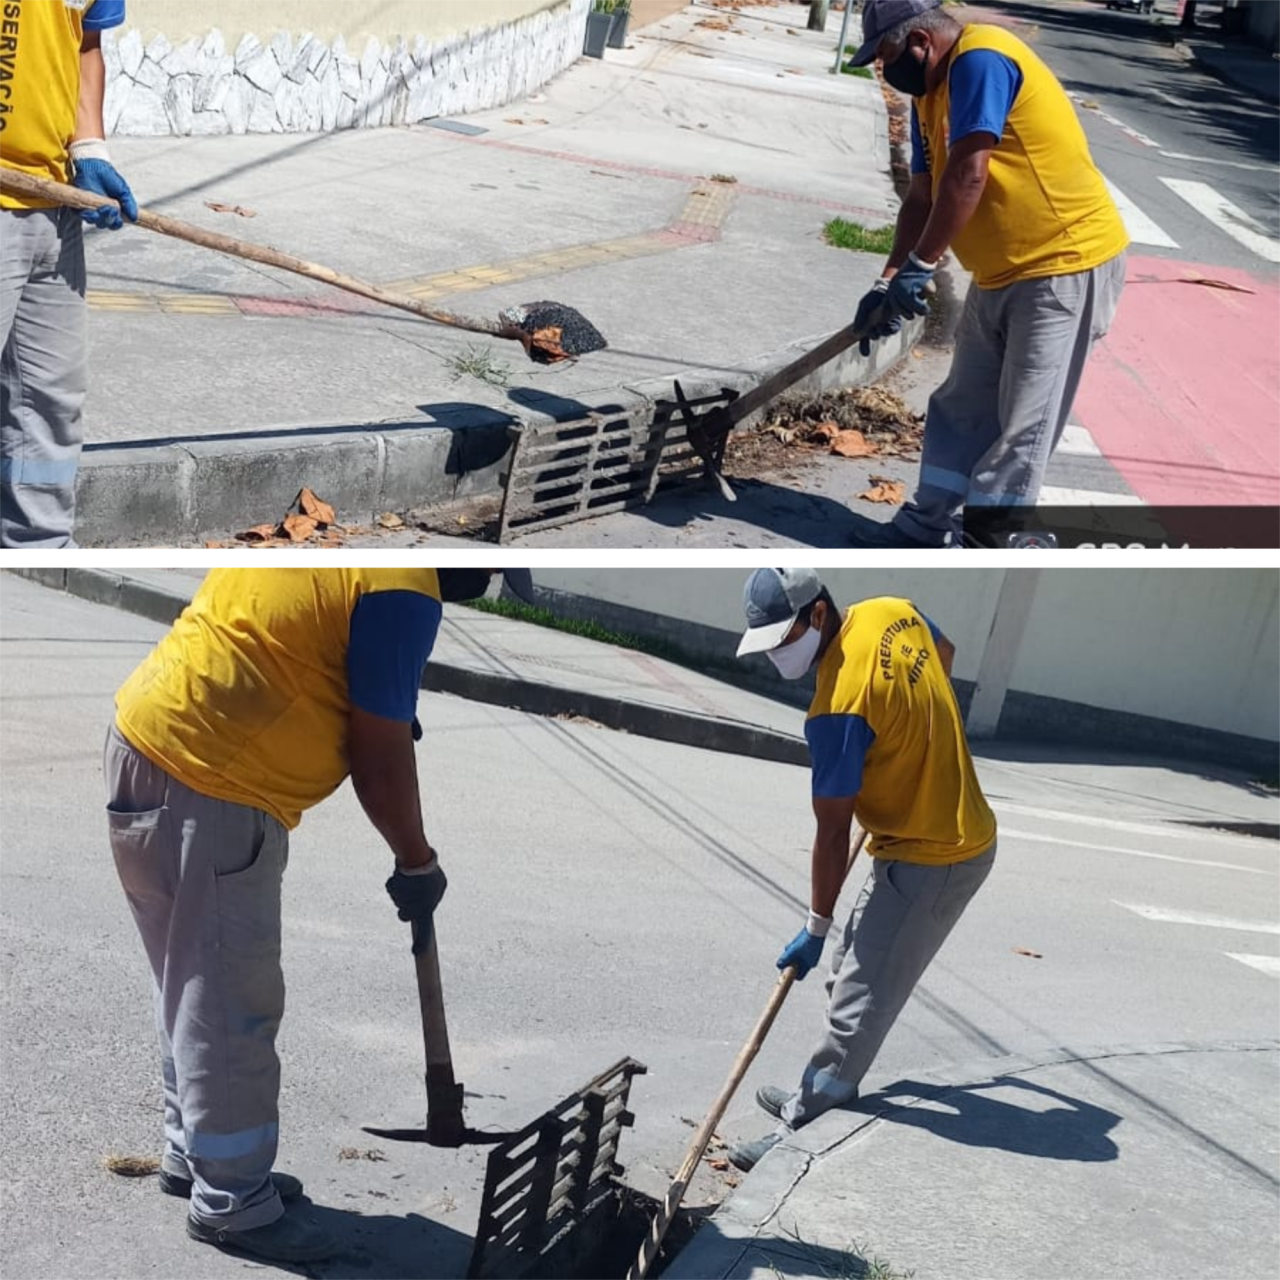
[1226, 216]
[1199, 918]
[1231, 164]
[1053, 496]
[1268, 964]
[1077, 442]
[1008, 834]
[1141, 229]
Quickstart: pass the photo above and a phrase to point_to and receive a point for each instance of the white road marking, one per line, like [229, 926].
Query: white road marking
[1233, 164]
[1199, 918]
[1169, 98]
[1090, 105]
[1077, 442]
[1006, 833]
[1268, 964]
[1226, 216]
[1141, 828]
[1141, 229]
[1051, 496]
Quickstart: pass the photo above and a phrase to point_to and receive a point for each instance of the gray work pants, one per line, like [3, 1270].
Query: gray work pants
[903, 915]
[992, 426]
[43, 374]
[202, 877]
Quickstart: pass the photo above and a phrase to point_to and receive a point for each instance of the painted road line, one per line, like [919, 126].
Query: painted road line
[1141, 229]
[1233, 164]
[1053, 496]
[1090, 105]
[1201, 918]
[1077, 442]
[1226, 216]
[1267, 964]
[1006, 833]
[1121, 824]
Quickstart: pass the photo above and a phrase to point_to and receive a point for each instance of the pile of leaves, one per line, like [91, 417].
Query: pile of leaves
[862, 422]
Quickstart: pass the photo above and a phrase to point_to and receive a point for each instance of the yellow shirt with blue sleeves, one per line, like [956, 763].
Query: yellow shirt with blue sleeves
[247, 697]
[40, 83]
[885, 728]
[1045, 210]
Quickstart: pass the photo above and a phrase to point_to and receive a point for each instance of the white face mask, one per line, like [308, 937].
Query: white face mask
[794, 659]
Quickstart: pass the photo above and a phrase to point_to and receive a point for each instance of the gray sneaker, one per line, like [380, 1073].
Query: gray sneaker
[772, 1099]
[287, 1239]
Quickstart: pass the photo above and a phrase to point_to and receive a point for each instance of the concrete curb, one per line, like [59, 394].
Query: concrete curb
[175, 491]
[683, 728]
[723, 1242]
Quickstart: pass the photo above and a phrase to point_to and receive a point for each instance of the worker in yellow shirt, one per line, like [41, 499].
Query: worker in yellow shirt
[52, 81]
[1001, 175]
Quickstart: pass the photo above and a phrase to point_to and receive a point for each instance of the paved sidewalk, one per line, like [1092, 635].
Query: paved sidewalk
[1231, 58]
[674, 192]
[488, 658]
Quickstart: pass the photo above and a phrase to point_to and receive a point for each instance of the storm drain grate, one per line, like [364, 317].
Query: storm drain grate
[552, 1176]
[566, 471]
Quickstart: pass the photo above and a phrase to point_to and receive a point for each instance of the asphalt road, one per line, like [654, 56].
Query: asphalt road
[608, 895]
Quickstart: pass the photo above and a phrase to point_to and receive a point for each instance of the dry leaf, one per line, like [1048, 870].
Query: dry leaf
[1023, 951]
[825, 432]
[719, 1165]
[389, 520]
[885, 490]
[513, 120]
[131, 1166]
[237, 209]
[298, 528]
[309, 505]
[547, 341]
[852, 444]
[259, 533]
[354, 1153]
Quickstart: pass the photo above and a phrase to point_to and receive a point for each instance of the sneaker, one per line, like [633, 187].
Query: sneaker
[772, 1099]
[746, 1154]
[287, 1239]
[288, 1188]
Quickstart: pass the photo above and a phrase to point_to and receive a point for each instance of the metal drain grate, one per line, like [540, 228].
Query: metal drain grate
[566, 471]
[551, 1176]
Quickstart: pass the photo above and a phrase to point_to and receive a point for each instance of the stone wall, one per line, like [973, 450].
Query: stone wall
[301, 83]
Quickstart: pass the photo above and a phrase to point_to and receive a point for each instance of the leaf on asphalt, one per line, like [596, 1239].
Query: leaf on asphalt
[1215, 284]
[825, 432]
[131, 1166]
[1024, 951]
[885, 490]
[852, 444]
[389, 520]
[309, 505]
[513, 120]
[259, 533]
[719, 1165]
[548, 342]
[299, 528]
[237, 209]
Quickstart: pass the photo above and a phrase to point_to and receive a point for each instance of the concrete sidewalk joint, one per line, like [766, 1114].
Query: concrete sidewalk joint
[541, 698]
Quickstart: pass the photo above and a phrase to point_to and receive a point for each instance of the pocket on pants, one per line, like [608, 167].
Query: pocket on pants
[248, 900]
[140, 846]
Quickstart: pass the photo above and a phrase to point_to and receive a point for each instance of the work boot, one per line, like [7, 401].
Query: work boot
[772, 1099]
[874, 535]
[288, 1188]
[287, 1239]
[746, 1154]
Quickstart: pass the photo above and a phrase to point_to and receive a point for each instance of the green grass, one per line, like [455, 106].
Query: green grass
[865, 72]
[853, 235]
[477, 362]
[854, 1263]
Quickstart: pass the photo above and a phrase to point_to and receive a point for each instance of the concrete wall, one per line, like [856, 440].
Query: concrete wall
[1143, 649]
[316, 65]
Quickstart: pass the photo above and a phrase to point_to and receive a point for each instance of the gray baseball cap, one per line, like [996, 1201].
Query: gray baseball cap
[772, 601]
[881, 16]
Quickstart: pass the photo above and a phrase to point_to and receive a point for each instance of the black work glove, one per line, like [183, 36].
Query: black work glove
[873, 308]
[416, 899]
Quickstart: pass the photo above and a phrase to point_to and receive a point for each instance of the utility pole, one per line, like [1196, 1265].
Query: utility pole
[844, 36]
[818, 14]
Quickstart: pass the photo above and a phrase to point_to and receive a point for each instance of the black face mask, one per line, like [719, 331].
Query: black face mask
[462, 584]
[907, 74]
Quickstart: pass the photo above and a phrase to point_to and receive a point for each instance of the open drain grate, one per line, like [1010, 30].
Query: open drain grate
[549, 1179]
[590, 466]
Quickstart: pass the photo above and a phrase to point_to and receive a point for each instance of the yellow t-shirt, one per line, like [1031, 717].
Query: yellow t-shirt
[884, 727]
[248, 696]
[1045, 210]
[40, 83]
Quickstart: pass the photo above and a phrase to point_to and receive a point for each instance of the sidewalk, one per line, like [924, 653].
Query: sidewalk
[487, 658]
[1234, 60]
[674, 192]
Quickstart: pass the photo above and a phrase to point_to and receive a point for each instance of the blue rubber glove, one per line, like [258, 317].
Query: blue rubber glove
[803, 951]
[416, 898]
[95, 173]
[907, 290]
[872, 317]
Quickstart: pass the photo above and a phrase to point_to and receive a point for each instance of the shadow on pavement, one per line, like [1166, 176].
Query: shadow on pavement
[1075, 1130]
[387, 1246]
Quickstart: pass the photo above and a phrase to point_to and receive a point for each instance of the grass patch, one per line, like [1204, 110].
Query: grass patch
[864, 72]
[853, 235]
[723, 177]
[854, 1263]
[477, 361]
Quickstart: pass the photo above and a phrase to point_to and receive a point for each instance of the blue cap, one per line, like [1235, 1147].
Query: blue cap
[772, 601]
[881, 16]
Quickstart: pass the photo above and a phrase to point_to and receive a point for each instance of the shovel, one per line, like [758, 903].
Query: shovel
[548, 331]
[445, 1125]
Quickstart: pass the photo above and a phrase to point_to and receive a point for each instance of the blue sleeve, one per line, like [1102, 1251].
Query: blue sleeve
[104, 14]
[919, 163]
[983, 85]
[392, 635]
[837, 748]
[937, 635]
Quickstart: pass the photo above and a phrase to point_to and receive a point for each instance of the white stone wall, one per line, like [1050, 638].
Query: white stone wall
[308, 85]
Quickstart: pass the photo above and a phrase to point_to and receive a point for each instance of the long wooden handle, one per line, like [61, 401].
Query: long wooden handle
[697, 1148]
[13, 182]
